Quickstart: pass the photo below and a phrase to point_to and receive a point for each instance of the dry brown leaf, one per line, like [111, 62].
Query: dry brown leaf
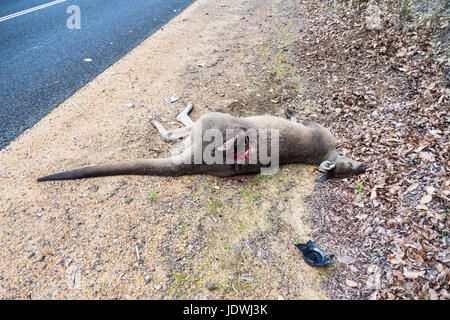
[413, 274]
[421, 207]
[420, 148]
[396, 260]
[345, 259]
[353, 268]
[426, 156]
[373, 193]
[351, 283]
[433, 294]
[401, 52]
[412, 187]
[430, 189]
[426, 198]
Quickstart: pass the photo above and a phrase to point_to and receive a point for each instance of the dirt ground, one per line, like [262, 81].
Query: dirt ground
[139, 237]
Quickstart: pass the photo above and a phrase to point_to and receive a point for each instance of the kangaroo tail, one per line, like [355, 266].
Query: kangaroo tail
[154, 167]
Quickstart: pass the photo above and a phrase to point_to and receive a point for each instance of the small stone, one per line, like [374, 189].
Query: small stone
[211, 285]
[93, 188]
[31, 255]
[148, 278]
[129, 105]
[128, 200]
[40, 258]
[39, 214]
[157, 286]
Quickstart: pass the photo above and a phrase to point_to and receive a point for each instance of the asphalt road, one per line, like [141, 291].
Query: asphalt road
[42, 61]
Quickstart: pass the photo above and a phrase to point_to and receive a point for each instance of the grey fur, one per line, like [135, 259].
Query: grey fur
[304, 142]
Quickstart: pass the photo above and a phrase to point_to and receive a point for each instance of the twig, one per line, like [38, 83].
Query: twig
[137, 254]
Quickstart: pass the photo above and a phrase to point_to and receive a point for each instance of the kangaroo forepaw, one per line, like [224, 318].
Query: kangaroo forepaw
[183, 116]
[289, 113]
[186, 111]
[189, 107]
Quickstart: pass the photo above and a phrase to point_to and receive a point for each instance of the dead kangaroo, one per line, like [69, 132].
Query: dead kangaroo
[304, 142]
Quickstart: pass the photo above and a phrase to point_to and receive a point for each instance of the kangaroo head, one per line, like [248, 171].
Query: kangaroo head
[341, 167]
[346, 167]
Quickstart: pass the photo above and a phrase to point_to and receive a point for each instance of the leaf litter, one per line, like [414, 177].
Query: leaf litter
[378, 73]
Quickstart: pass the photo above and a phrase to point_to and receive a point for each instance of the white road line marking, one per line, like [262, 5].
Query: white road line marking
[42, 6]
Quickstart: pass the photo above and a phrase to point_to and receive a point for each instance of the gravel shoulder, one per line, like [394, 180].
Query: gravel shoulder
[191, 237]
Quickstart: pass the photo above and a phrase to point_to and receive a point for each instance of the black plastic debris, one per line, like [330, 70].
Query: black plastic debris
[313, 255]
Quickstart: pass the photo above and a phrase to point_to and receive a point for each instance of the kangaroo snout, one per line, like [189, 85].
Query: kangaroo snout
[363, 167]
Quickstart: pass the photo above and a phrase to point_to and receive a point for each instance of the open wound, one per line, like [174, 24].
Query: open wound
[232, 145]
[243, 155]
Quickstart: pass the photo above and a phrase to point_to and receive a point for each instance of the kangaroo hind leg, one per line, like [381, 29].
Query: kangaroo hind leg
[183, 116]
[171, 135]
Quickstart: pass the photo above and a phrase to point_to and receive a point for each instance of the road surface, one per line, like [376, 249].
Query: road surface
[43, 61]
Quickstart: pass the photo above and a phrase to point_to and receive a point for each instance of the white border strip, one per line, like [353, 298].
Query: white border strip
[42, 6]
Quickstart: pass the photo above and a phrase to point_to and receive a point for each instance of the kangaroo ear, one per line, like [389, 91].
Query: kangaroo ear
[324, 177]
[229, 144]
[327, 165]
